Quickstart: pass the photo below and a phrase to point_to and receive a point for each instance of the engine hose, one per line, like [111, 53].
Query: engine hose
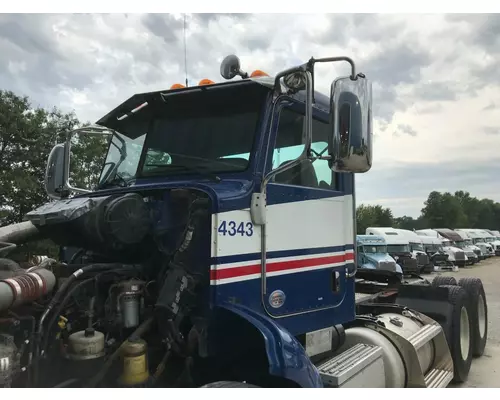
[141, 330]
[67, 382]
[57, 312]
[62, 289]
[77, 254]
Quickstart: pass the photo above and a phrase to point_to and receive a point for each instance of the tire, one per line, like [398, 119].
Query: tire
[228, 384]
[474, 287]
[444, 280]
[458, 332]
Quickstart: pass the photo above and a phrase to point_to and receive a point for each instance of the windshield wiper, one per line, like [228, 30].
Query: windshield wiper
[117, 180]
[192, 168]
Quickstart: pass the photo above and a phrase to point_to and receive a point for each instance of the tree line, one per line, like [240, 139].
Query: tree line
[441, 210]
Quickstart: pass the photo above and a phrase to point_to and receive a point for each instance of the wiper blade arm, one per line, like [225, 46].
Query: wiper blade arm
[118, 180]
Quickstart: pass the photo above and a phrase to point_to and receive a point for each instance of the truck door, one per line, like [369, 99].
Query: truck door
[309, 229]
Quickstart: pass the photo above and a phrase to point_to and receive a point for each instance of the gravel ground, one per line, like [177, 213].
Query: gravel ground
[485, 371]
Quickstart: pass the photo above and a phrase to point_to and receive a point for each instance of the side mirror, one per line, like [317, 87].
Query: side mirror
[230, 67]
[350, 144]
[55, 178]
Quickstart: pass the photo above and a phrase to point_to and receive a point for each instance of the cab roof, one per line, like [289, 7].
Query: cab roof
[370, 239]
[391, 235]
[449, 234]
[138, 101]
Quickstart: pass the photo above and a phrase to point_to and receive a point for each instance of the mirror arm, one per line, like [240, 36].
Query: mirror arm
[353, 75]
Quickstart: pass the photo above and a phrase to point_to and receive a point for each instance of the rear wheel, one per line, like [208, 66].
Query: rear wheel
[228, 384]
[459, 332]
[479, 315]
[444, 280]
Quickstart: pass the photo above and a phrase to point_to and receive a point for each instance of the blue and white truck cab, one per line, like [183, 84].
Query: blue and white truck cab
[479, 240]
[455, 255]
[492, 240]
[398, 246]
[218, 250]
[371, 253]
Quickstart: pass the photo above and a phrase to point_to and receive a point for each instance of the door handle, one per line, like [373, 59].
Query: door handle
[335, 281]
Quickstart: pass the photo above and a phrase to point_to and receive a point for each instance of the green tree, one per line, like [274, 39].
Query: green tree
[368, 215]
[443, 210]
[27, 135]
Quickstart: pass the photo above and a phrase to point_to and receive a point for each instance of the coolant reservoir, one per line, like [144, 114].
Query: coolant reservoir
[135, 363]
[86, 345]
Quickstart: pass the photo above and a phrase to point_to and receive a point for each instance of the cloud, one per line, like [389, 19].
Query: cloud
[491, 130]
[407, 129]
[435, 78]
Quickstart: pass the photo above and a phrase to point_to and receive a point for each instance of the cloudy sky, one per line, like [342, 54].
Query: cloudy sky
[436, 79]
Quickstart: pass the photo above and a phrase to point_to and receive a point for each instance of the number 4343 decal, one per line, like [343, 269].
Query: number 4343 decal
[233, 228]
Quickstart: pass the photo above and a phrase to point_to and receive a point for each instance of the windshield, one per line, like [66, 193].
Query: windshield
[398, 248]
[433, 247]
[468, 242]
[122, 158]
[478, 240]
[189, 132]
[370, 249]
[417, 247]
[460, 245]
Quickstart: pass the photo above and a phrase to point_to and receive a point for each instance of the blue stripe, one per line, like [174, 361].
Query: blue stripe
[279, 254]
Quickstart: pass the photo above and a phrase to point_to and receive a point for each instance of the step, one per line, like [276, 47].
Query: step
[439, 377]
[424, 335]
[340, 369]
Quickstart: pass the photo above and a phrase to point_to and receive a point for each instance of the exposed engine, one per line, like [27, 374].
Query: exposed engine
[130, 297]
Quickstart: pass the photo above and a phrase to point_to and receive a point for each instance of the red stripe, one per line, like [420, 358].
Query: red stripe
[279, 266]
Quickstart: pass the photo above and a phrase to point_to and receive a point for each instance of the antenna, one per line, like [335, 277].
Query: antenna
[185, 52]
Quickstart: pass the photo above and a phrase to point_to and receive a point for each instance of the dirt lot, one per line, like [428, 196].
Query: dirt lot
[485, 371]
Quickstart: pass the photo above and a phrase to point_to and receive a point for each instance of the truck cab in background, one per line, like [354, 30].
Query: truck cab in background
[492, 240]
[479, 241]
[468, 241]
[418, 252]
[454, 239]
[371, 253]
[434, 248]
[398, 246]
[455, 255]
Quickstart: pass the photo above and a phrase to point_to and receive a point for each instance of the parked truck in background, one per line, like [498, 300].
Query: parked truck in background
[479, 240]
[456, 240]
[418, 252]
[439, 259]
[398, 246]
[213, 266]
[371, 253]
[492, 240]
[455, 255]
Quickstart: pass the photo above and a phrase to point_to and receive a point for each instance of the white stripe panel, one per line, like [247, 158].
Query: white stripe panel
[295, 225]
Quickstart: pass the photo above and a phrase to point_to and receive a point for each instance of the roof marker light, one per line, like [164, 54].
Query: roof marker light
[177, 86]
[206, 82]
[258, 73]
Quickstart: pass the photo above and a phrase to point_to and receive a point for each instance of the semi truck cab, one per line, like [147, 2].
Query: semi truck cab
[372, 254]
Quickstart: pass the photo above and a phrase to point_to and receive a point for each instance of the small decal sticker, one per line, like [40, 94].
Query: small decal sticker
[277, 299]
